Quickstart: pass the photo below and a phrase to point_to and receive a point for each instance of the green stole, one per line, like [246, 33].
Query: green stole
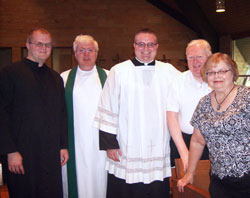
[71, 165]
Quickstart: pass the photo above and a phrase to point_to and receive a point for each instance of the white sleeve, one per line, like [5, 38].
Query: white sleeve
[107, 114]
[64, 76]
[172, 98]
[173, 95]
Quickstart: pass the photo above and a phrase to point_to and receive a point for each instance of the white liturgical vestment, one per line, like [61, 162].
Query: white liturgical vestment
[90, 161]
[133, 107]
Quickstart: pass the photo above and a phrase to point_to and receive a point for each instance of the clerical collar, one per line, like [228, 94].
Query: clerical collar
[136, 62]
[33, 64]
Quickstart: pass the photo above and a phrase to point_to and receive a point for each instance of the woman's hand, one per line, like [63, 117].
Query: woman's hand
[187, 179]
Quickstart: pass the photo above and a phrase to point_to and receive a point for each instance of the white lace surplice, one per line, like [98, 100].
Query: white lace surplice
[133, 106]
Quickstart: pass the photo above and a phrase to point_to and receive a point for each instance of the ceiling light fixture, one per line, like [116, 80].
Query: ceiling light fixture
[220, 6]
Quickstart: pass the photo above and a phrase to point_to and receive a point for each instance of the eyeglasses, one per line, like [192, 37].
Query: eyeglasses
[190, 58]
[40, 44]
[220, 73]
[89, 50]
[143, 45]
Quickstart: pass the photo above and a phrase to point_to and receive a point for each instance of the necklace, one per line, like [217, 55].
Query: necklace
[219, 104]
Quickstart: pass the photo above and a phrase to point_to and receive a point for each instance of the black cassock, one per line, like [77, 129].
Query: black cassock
[33, 121]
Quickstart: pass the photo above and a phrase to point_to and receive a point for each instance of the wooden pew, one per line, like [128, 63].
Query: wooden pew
[4, 192]
[199, 189]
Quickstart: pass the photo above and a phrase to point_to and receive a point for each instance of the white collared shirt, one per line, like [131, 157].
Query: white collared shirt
[184, 95]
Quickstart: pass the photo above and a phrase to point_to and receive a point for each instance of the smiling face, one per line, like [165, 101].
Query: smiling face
[86, 55]
[196, 56]
[220, 77]
[39, 47]
[145, 52]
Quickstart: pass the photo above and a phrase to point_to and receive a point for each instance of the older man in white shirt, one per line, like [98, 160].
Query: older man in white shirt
[185, 92]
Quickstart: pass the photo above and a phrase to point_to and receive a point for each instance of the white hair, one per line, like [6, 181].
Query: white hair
[84, 39]
[200, 42]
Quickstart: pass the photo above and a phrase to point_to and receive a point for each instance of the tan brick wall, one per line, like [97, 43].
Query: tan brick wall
[112, 23]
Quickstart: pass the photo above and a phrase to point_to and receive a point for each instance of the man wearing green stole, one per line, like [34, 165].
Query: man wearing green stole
[85, 174]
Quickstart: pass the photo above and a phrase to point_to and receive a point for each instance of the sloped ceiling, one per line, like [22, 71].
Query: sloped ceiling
[235, 21]
[200, 16]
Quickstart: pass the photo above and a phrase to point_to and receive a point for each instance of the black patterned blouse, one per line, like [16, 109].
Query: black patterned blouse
[227, 134]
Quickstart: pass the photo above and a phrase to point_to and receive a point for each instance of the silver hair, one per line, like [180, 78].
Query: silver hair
[200, 42]
[84, 39]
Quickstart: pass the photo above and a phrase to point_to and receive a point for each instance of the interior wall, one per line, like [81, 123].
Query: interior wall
[240, 61]
[113, 24]
[226, 44]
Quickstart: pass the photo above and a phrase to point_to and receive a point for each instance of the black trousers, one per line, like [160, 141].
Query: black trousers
[174, 154]
[118, 188]
[230, 187]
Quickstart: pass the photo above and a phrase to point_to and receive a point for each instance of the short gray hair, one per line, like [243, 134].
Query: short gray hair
[84, 39]
[200, 42]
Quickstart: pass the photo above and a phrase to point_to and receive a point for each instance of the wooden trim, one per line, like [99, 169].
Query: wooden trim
[4, 192]
[190, 191]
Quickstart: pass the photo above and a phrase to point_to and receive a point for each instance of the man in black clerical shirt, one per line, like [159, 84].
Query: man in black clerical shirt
[33, 122]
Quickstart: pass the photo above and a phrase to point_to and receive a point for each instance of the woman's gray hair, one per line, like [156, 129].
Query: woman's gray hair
[84, 39]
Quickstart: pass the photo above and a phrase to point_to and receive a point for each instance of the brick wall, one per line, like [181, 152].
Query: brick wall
[112, 23]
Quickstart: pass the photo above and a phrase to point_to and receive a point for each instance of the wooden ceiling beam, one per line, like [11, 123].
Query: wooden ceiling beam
[172, 12]
[240, 35]
[192, 17]
[198, 19]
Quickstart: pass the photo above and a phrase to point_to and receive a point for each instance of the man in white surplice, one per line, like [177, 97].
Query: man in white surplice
[87, 169]
[131, 117]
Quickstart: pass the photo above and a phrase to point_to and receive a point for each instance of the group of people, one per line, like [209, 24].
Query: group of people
[93, 133]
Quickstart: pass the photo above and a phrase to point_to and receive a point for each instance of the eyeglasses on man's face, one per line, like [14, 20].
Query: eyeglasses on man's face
[198, 58]
[89, 50]
[142, 45]
[40, 44]
[220, 73]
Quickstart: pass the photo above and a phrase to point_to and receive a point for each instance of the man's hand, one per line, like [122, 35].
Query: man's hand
[187, 179]
[15, 163]
[64, 156]
[113, 154]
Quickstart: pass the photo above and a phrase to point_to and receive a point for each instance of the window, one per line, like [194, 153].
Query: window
[62, 59]
[5, 56]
